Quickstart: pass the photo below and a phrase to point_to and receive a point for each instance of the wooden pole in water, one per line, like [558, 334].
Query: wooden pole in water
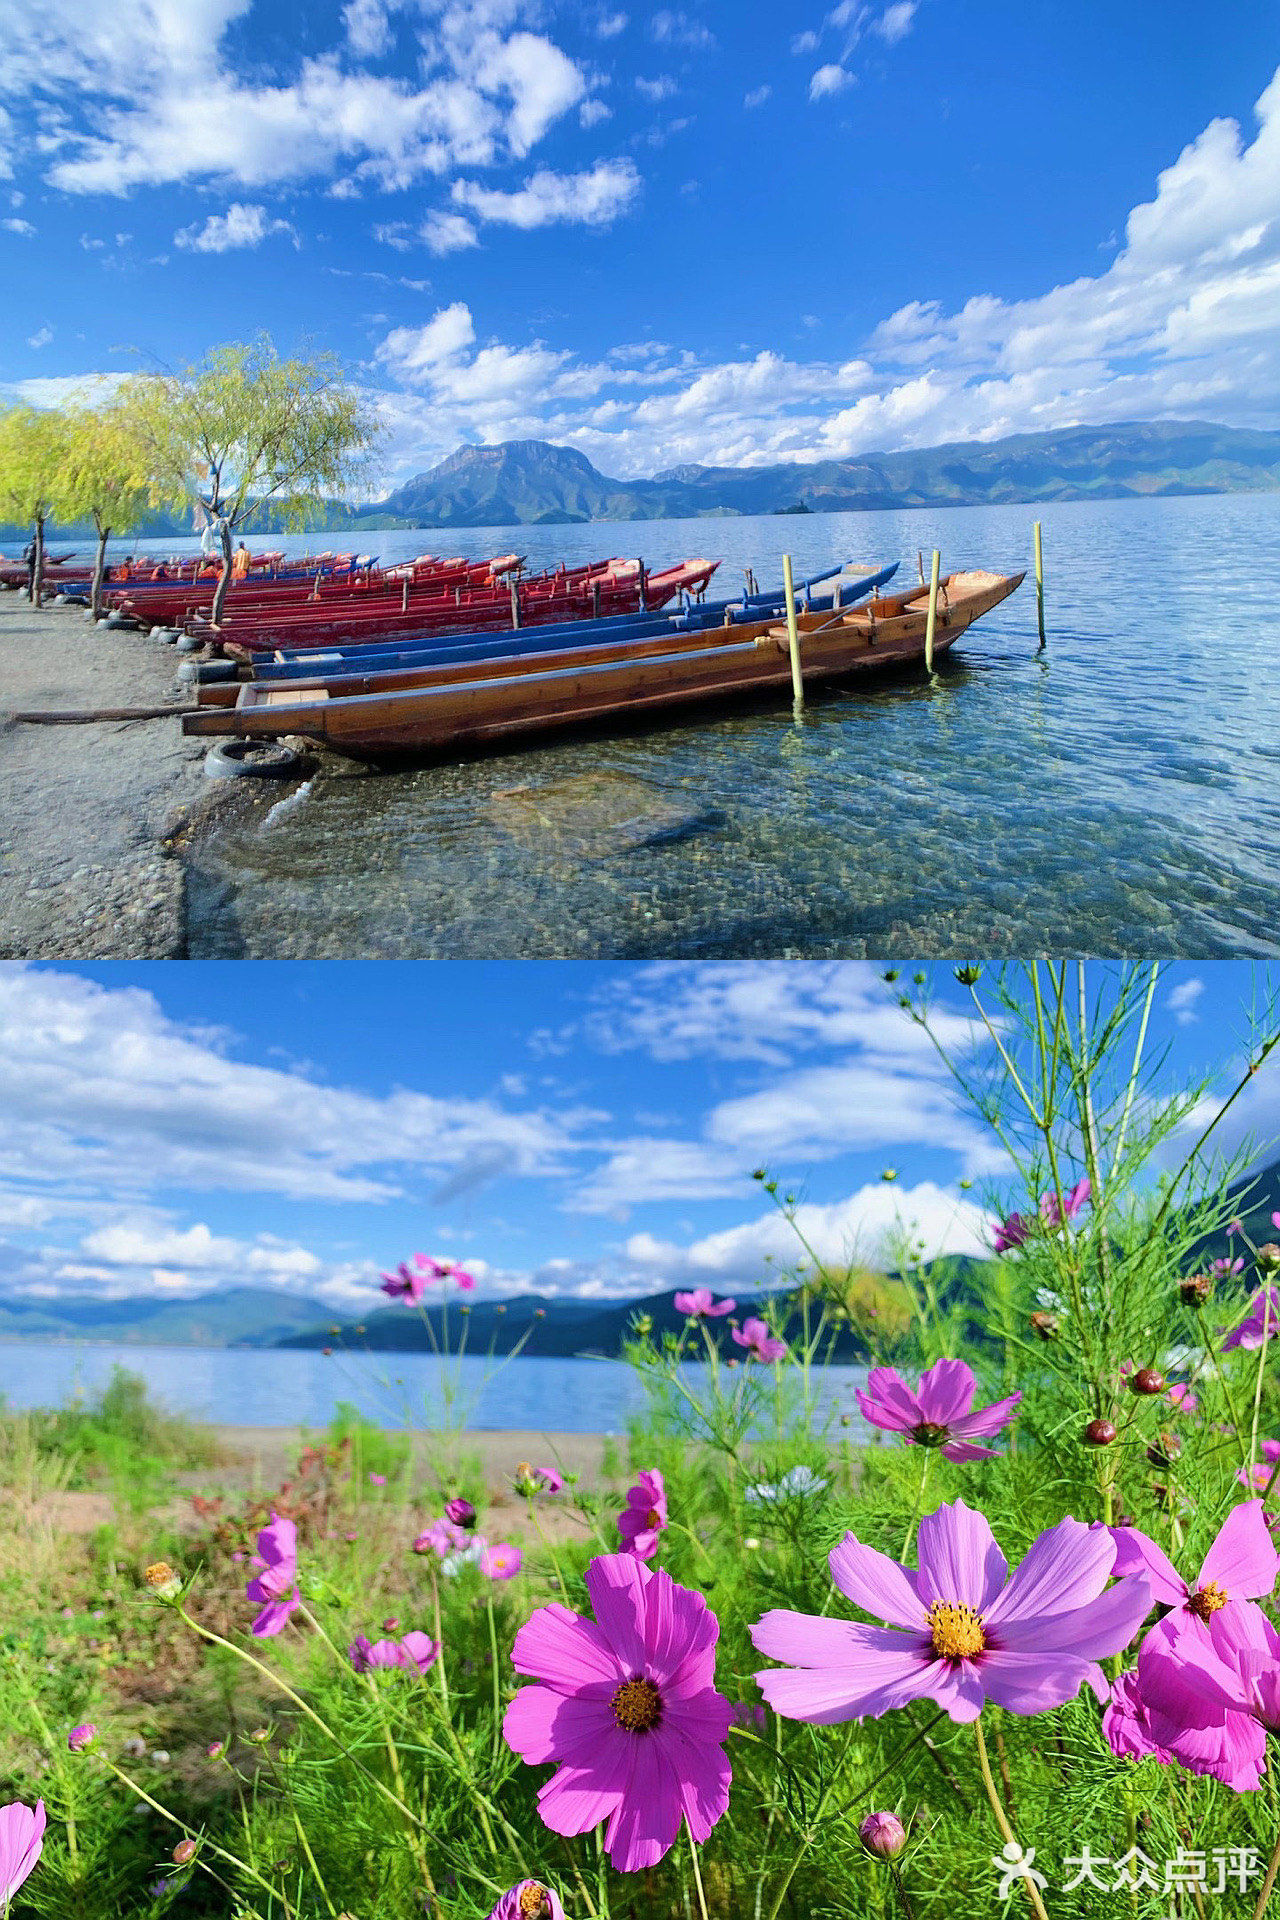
[932, 621]
[793, 636]
[515, 607]
[1040, 586]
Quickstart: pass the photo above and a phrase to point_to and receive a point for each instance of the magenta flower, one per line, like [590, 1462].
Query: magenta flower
[645, 1515]
[404, 1284]
[1262, 1472]
[531, 1480]
[1126, 1725]
[1013, 1232]
[443, 1537]
[81, 1737]
[1072, 1201]
[1240, 1565]
[1224, 1269]
[416, 1651]
[883, 1834]
[702, 1304]
[627, 1710]
[461, 1513]
[1182, 1398]
[761, 1344]
[964, 1631]
[1212, 1698]
[501, 1562]
[434, 1270]
[939, 1414]
[1262, 1322]
[419, 1650]
[21, 1843]
[275, 1589]
[377, 1479]
[529, 1900]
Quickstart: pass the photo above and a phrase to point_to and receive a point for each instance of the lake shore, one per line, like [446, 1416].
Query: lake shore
[95, 815]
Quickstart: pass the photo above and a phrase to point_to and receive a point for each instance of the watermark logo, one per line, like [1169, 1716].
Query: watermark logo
[1218, 1871]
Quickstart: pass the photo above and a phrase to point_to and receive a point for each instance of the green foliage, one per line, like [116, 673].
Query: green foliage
[33, 457]
[120, 1440]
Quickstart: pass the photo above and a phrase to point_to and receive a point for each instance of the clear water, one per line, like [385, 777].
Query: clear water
[248, 1387]
[1113, 795]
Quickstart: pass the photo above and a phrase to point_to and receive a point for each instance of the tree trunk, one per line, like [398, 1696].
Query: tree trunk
[99, 568]
[220, 591]
[37, 578]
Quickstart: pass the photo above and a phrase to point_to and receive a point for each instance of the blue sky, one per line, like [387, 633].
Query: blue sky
[567, 1127]
[723, 232]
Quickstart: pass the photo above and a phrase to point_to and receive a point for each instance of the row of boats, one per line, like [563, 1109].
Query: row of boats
[436, 654]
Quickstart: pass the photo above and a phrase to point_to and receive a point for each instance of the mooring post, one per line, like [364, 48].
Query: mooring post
[515, 606]
[932, 621]
[793, 635]
[1040, 586]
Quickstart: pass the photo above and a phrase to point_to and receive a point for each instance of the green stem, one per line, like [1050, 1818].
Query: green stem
[1002, 1819]
[497, 1685]
[918, 1509]
[1265, 1895]
[901, 1891]
[211, 1846]
[697, 1872]
[1212, 1351]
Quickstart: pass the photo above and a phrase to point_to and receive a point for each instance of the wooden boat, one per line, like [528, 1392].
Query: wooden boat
[491, 701]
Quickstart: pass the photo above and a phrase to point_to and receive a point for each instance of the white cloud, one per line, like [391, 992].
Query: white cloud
[894, 23]
[593, 199]
[40, 338]
[592, 112]
[14, 225]
[757, 96]
[239, 226]
[829, 79]
[662, 88]
[611, 25]
[675, 29]
[448, 232]
[1183, 999]
[806, 42]
[166, 98]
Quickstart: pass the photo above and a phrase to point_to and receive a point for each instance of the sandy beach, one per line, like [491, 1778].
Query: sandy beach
[93, 816]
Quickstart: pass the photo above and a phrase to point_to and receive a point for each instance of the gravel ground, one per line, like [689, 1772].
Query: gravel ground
[93, 817]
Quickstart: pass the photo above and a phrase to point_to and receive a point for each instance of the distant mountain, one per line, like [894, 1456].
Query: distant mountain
[236, 1317]
[531, 482]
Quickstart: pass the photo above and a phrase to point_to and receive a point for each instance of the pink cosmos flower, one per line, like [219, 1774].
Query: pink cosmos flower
[626, 1707]
[1262, 1472]
[415, 1651]
[1223, 1269]
[538, 1479]
[1263, 1321]
[444, 1270]
[1234, 1227]
[443, 1537]
[81, 1737]
[529, 1900]
[404, 1284]
[1242, 1564]
[461, 1513]
[21, 1844]
[702, 1304]
[939, 1413]
[1072, 1201]
[275, 1590]
[501, 1562]
[377, 1479]
[645, 1515]
[1182, 1398]
[964, 1630]
[1212, 1698]
[1013, 1232]
[1126, 1725]
[761, 1344]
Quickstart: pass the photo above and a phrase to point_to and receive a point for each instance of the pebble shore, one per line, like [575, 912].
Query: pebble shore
[93, 818]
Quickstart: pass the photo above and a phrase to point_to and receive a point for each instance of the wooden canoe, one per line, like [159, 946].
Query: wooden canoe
[476, 702]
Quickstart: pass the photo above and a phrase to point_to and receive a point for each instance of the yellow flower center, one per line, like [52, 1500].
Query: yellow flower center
[1209, 1600]
[957, 1631]
[534, 1903]
[637, 1706]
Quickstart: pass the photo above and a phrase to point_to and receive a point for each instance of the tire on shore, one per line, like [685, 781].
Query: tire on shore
[253, 759]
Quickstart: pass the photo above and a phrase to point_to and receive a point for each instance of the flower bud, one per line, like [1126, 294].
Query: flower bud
[1196, 1288]
[1047, 1325]
[1147, 1380]
[163, 1581]
[883, 1834]
[1099, 1433]
[81, 1737]
[1268, 1257]
[461, 1512]
[184, 1853]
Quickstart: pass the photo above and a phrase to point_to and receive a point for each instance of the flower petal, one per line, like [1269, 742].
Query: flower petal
[575, 1799]
[946, 1392]
[646, 1821]
[1103, 1627]
[888, 1401]
[1066, 1567]
[1242, 1559]
[1136, 1552]
[1027, 1683]
[541, 1724]
[985, 1421]
[959, 1559]
[876, 1583]
[616, 1583]
[566, 1651]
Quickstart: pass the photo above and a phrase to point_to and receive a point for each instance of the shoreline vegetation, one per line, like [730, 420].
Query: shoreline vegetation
[657, 1685]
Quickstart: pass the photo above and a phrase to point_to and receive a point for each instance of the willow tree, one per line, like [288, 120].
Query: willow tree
[106, 478]
[33, 465]
[244, 428]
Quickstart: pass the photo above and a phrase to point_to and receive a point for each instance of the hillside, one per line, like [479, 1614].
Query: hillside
[531, 482]
[238, 1316]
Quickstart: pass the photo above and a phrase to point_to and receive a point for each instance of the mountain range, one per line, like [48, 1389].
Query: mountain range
[532, 483]
[547, 1325]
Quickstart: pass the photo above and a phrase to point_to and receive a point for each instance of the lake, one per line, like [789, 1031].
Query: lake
[1113, 795]
[262, 1387]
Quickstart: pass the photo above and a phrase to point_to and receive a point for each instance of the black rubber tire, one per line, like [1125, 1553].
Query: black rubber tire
[188, 643]
[253, 759]
[204, 673]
